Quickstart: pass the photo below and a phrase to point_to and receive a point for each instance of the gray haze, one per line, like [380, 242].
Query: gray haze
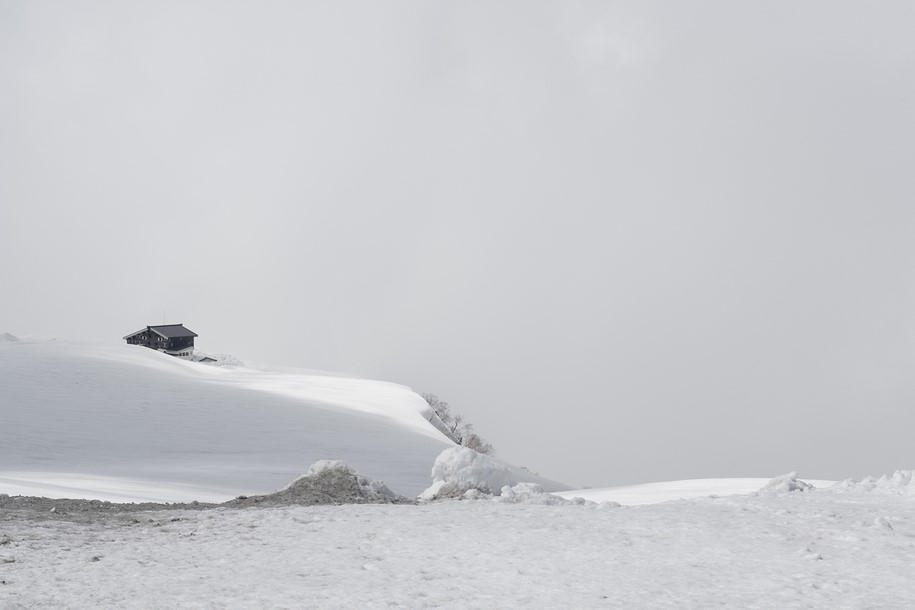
[630, 241]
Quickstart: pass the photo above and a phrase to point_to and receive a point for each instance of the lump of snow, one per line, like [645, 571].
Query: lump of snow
[326, 482]
[457, 470]
[8, 338]
[532, 493]
[324, 465]
[526, 493]
[474, 494]
[901, 482]
[787, 482]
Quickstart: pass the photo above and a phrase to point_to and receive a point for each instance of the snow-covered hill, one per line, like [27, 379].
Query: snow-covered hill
[125, 423]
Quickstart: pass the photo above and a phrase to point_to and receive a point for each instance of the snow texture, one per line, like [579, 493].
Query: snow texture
[848, 547]
[458, 470]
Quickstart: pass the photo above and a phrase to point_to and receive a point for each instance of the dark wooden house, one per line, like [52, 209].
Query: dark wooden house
[172, 339]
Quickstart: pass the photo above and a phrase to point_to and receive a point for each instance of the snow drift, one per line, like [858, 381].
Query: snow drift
[532, 493]
[458, 470]
[901, 482]
[787, 482]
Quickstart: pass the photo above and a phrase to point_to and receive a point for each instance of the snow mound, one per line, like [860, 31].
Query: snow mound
[325, 482]
[787, 482]
[322, 466]
[901, 482]
[8, 338]
[458, 470]
[532, 493]
[529, 493]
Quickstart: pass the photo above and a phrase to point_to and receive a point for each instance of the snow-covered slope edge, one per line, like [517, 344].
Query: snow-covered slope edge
[121, 422]
[320, 388]
[665, 491]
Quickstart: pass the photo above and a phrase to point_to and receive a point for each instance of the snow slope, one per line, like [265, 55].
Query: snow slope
[846, 547]
[126, 423]
[652, 493]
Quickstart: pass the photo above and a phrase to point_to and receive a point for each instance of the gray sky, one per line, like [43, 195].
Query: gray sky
[630, 241]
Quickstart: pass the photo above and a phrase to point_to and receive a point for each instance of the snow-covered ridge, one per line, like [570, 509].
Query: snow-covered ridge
[333, 390]
[121, 422]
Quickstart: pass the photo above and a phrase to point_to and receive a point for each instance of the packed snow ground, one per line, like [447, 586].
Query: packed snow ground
[848, 546]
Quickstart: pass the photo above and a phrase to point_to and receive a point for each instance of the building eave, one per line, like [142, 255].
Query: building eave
[142, 330]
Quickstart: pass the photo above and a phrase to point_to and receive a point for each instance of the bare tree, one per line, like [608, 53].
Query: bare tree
[454, 426]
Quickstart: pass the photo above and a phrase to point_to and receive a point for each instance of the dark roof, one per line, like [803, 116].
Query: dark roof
[142, 330]
[170, 331]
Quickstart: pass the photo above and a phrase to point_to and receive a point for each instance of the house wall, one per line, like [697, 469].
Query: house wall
[179, 343]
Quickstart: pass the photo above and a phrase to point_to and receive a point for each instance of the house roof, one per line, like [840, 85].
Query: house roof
[169, 331]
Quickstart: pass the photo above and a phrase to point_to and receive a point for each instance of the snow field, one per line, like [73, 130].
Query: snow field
[188, 431]
[830, 549]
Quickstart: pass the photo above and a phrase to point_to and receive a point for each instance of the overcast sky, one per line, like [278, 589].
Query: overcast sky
[630, 241]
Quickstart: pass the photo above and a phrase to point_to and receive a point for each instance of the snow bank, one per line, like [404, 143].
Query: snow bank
[8, 338]
[458, 470]
[326, 482]
[901, 482]
[787, 482]
[532, 493]
[526, 493]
